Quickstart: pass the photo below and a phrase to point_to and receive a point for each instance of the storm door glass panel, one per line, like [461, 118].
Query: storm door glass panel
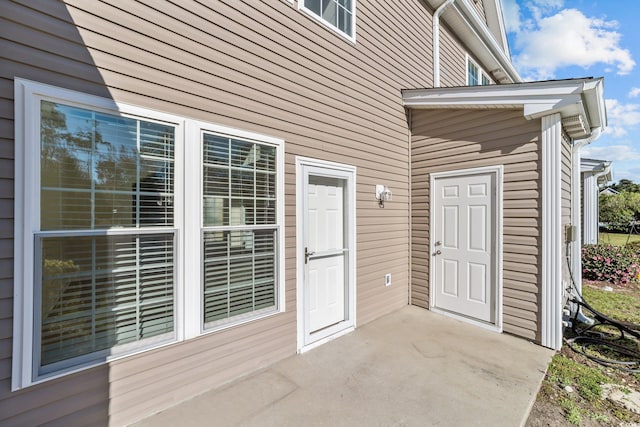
[98, 292]
[239, 228]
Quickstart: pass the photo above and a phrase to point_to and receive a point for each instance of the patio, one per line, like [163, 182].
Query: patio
[411, 367]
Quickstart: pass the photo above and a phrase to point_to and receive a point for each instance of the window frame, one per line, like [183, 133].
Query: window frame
[187, 249]
[313, 15]
[482, 75]
[194, 246]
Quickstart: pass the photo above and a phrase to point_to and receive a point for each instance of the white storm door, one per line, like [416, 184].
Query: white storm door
[463, 245]
[325, 252]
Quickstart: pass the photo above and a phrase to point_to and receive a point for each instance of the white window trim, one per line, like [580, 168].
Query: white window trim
[193, 199]
[349, 173]
[187, 164]
[481, 72]
[350, 37]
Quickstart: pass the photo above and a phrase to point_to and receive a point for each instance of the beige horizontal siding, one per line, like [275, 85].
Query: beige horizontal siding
[258, 66]
[447, 140]
[479, 6]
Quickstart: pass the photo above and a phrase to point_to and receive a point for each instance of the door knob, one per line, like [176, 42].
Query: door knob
[438, 252]
[438, 243]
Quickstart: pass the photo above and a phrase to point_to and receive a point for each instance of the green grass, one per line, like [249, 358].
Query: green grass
[586, 405]
[619, 306]
[572, 412]
[618, 239]
[586, 381]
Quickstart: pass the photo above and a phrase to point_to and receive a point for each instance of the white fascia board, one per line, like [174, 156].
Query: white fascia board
[535, 103]
[495, 22]
[595, 104]
[603, 174]
[569, 105]
[594, 165]
[484, 45]
[584, 97]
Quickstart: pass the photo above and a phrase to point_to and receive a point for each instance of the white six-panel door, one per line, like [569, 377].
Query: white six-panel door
[325, 252]
[463, 246]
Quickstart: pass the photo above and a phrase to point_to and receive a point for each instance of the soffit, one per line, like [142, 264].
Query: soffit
[580, 102]
[481, 41]
[601, 167]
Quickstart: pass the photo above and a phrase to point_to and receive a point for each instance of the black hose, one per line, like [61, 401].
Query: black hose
[587, 336]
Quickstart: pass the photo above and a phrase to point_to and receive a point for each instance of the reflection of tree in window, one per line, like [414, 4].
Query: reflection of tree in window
[101, 171]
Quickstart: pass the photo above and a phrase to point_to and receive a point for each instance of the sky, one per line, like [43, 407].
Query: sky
[557, 39]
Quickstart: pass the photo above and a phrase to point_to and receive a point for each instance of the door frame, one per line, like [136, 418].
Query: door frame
[329, 169]
[498, 172]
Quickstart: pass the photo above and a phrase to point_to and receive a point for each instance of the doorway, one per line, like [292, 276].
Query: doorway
[325, 229]
[466, 245]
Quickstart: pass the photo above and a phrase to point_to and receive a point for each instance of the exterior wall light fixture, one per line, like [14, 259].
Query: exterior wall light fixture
[383, 194]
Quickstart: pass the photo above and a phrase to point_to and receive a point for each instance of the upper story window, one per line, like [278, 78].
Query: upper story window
[338, 14]
[120, 246]
[476, 75]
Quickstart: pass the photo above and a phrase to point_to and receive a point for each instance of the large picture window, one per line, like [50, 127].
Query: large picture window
[107, 260]
[96, 291]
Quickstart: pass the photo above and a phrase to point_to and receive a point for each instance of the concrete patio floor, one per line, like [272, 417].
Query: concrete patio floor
[409, 368]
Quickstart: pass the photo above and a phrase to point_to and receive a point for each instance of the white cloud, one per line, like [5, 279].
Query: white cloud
[621, 117]
[511, 12]
[634, 92]
[613, 153]
[549, 4]
[566, 38]
[513, 16]
[539, 8]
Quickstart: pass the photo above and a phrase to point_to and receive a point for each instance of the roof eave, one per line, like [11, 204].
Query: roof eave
[580, 101]
[474, 32]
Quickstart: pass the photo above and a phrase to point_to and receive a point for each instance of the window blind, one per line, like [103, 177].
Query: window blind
[239, 228]
[98, 290]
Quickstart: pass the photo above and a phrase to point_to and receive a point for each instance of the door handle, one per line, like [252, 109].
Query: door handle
[438, 252]
[307, 254]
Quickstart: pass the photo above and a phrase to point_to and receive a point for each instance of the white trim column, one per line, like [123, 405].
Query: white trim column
[576, 220]
[591, 202]
[552, 292]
